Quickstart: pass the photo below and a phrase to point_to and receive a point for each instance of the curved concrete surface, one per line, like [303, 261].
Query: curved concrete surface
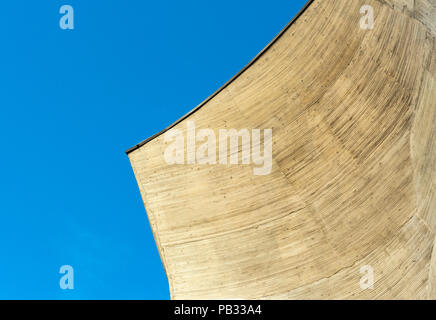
[353, 179]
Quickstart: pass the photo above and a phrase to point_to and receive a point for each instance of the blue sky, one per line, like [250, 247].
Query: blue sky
[72, 101]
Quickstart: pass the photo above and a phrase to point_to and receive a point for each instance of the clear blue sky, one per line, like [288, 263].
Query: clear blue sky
[72, 101]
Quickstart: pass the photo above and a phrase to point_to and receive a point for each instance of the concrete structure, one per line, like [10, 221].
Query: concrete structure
[353, 181]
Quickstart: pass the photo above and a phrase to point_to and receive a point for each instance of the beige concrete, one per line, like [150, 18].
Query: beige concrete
[353, 183]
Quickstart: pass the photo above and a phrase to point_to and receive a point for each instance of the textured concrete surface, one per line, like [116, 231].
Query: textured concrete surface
[353, 181]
